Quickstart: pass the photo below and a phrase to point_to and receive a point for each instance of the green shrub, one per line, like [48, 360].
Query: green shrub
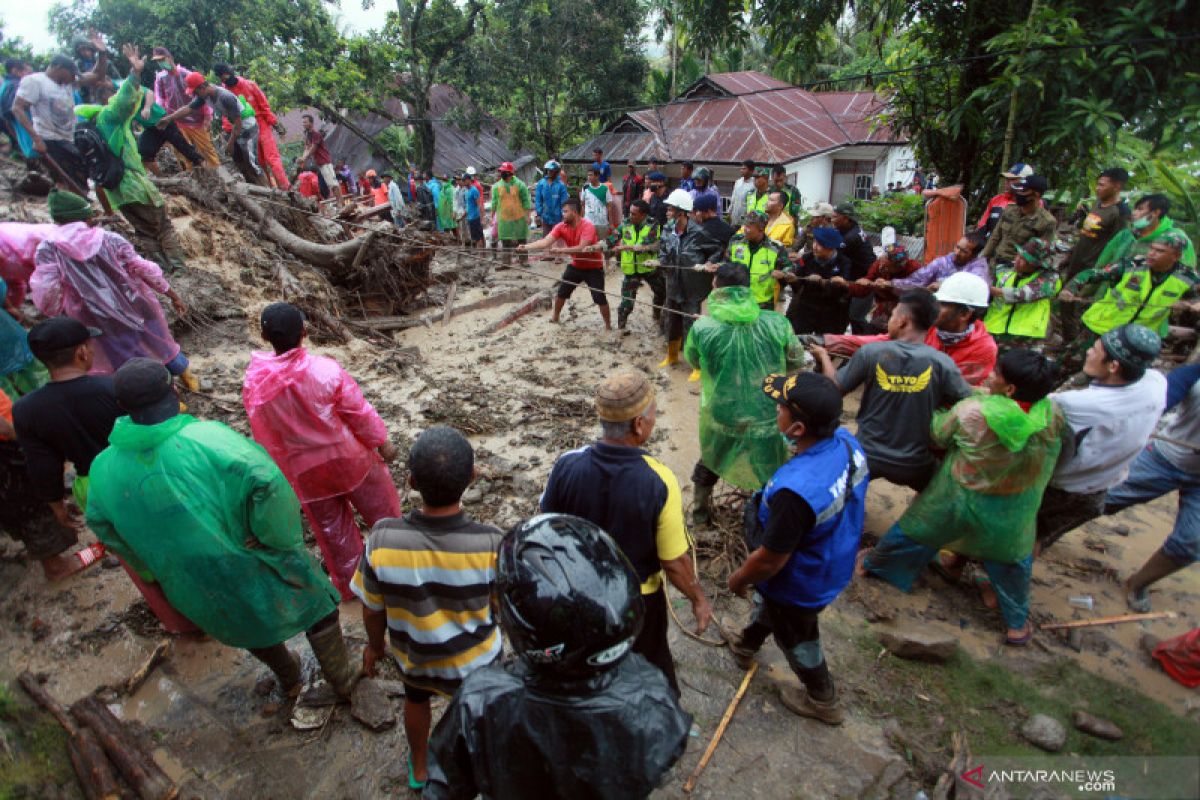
[905, 212]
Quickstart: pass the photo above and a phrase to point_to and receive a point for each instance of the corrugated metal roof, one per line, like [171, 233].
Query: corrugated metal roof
[456, 149]
[760, 118]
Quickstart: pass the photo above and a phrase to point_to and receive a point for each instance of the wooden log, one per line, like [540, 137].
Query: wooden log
[397, 323]
[529, 306]
[133, 760]
[157, 655]
[95, 773]
[450, 294]
[1120, 618]
[40, 696]
[716, 739]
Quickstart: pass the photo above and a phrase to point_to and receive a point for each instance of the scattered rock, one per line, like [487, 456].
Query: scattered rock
[1045, 732]
[1096, 726]
[369, 704]
[264, 687]
[918, 644]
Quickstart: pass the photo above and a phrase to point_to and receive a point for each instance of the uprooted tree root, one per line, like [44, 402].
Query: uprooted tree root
[328, 267]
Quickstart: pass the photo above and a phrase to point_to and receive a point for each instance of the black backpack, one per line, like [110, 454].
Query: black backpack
[105, 168]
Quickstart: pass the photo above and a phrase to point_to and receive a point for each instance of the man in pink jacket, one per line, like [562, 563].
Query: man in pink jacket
[268, 123]
[312, 418]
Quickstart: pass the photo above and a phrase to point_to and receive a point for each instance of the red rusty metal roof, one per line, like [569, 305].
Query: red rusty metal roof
[733, 116]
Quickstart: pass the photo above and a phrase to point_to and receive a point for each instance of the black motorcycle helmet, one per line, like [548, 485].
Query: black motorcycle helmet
[568, 598]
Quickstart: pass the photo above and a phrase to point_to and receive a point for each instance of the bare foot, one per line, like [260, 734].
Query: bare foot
[860, 568]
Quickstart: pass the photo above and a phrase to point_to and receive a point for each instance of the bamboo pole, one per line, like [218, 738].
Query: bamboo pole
[716, 739]
[1088, 623]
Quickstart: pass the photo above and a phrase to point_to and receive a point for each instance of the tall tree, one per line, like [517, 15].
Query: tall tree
[554, 70]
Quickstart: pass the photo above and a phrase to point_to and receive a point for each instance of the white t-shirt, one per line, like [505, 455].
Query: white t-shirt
[1110, 426]
[595, 210]
[52, 106]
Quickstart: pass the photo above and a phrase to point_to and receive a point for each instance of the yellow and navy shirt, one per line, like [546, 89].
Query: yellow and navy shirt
[629, 494]
[433, 576]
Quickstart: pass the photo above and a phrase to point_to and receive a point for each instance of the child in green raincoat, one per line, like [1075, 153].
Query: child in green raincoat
[1001, 449]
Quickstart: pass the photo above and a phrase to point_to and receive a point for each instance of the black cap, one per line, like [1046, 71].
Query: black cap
[143, 388]
[812, 398]
[59, 333]
[281, 322]
[1034, 183]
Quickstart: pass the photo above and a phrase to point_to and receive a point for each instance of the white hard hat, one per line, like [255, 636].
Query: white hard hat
[680, 199]
[964, 288]
[470, 170]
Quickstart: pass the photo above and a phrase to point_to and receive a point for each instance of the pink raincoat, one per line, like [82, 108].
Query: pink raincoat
[96, 277]
[18, 243]
[310, 415]
[312, 418]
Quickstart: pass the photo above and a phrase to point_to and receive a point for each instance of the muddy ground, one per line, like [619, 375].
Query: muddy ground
[523, 396]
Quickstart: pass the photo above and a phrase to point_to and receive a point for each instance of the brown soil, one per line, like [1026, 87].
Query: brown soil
[523, 396]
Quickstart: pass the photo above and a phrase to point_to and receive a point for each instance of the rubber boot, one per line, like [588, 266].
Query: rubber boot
[286, 666]
[701, 505]
[189, 380]
[622, 318]
[799, 701]
[330, 649]
[672, 353]
[695, 376]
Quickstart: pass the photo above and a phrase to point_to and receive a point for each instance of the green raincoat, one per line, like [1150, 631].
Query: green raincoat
[511, 205]
[113, 122]
[206, 513]
[1126, 243]
[445, 209]
[983, 502]
[734, 348]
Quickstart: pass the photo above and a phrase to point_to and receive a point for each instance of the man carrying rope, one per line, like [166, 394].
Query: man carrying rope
[586, 267]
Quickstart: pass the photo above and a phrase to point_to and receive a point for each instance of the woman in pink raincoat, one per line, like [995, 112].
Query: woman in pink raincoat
[18, 243]
[312, 418]
[96, 277]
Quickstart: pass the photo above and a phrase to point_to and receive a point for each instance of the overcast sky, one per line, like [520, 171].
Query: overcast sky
[30, 23]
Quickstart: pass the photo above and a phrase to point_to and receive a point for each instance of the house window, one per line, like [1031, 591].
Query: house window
[862, 186]
[851, 179]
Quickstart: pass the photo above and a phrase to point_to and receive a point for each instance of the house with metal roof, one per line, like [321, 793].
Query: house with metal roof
[833, 145]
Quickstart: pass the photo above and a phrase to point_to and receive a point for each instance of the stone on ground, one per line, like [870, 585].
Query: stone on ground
[919, 644]
[1096, 726]
[369, 704]
[1045, 732]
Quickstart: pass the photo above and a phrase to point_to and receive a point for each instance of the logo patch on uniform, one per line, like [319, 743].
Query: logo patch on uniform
[903, 383]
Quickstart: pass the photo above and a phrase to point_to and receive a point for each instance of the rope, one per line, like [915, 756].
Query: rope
[465, 251]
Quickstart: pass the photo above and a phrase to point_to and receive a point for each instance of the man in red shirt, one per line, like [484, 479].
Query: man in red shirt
[586, 267]
[995, 206]
[314, 148]
[268, 123]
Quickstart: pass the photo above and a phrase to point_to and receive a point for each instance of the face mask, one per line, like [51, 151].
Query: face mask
[1023, 199]
[230, 81]
[1141, 224]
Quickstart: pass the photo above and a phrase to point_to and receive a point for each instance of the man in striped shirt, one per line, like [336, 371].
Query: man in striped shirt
[426, 579]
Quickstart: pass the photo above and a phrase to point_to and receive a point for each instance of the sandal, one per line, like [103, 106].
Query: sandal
[77, 562]
[948, 566]
[1020, 641]
[413, 783]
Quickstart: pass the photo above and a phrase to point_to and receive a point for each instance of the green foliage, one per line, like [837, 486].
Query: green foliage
[398, 142]
[540, 66]
[904, 211]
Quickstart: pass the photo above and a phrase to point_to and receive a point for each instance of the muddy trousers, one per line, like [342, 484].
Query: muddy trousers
[798, 636]
[630, 285]
[1062, 512]
[336, 531]
[508, 247]
[898, 560]
[652, 641]
[281, 660]
[154, 236]
[200, 138]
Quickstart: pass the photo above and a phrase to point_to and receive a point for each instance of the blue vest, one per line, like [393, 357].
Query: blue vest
[823, 563]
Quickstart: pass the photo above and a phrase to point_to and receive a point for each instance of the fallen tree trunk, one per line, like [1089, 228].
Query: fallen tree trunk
[134, 761]
[40, 696]
[95, 774]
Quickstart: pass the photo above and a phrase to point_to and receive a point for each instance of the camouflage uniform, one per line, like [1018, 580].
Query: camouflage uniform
[1015, 229]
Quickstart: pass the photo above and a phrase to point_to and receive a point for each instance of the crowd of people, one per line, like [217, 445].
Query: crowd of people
[959, 402]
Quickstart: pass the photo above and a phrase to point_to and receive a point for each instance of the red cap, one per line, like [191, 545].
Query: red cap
[507, 167]
[194, 81]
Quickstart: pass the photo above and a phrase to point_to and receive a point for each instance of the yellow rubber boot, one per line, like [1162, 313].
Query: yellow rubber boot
[695, 376]
[189, 380]
[672, 353]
